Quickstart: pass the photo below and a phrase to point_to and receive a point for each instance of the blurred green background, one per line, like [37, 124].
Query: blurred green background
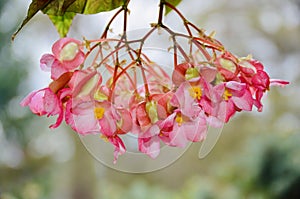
[257, 155]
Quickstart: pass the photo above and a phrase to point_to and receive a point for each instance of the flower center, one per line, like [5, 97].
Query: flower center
[99, 112]
[179, 119]
[196, 92]
[69, 52]
[226, 95]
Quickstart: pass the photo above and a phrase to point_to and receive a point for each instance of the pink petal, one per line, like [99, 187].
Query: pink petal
[85, 82]
[126, 120]
[26, 101]
[84, 122]
[62, 94]
[178, 75]
[51, 103]
[226, 110]
[184, 101]
[108, 123]
[258, 65]
[215, 122]
[278, 82]
[58, 120]
[257, 102]
[119, 146]
[57, 70]
[177, 135]
[198, 129]
[76, 62]
[46, 62]
[141, 115]
[244, 102]
[167, 124]
[228, 72]
[35, 101]
[59, 44]
[208, 73]
[149, 143]
[236, 86]
[261, 80]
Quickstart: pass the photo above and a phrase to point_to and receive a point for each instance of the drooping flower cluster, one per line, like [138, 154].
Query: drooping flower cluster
[173, 109]
[122, 91]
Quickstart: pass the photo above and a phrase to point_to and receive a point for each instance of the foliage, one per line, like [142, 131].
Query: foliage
[62, 12]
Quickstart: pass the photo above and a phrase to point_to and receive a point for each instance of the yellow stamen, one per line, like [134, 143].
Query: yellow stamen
[99, 112]
[226, 95]
[196, 92]
[179, 119]
[161, 134]
[103, 137]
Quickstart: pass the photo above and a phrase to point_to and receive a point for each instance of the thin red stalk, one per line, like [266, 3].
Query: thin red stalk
[185, 22]
[147, 92]
[209, 44]
[110, 22]
[110, 54]
[203, 51]
[124, 71]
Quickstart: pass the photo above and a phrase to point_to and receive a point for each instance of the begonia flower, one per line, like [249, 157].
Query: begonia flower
[67, 55]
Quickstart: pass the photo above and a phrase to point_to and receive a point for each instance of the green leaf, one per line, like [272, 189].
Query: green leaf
[174, 3]
[62, 23]
[34, 7]
[61, 12]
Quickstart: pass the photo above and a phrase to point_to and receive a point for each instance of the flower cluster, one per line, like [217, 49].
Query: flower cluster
[171, 108]
[111, 86]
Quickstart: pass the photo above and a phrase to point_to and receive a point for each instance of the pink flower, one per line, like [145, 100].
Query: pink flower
[42, 102]
[67, 56]
[81, 118]
[185, 123]
[149, 141]
[253, 74]
[185, 99]
[45, 102]
[177, 130]
[80, 109]
[89, 111]
[113, 122]
[93, 117]
[49, 101]
[236, 97]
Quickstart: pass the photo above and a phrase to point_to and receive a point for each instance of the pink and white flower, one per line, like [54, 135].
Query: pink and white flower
[67, 56]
